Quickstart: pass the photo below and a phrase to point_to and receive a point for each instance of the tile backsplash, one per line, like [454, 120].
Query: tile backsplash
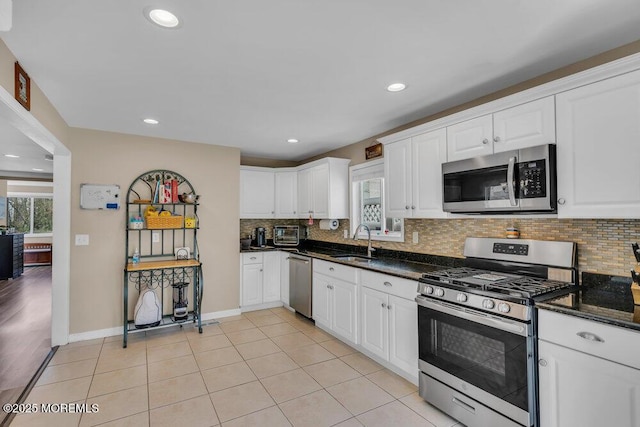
[604, 245]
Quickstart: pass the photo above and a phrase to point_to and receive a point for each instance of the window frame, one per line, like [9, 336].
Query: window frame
[32, 197]
[358, 173]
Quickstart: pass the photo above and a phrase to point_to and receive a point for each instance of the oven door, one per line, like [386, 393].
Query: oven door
[478, 354]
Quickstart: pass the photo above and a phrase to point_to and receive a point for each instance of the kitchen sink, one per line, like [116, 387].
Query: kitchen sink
[352, 258]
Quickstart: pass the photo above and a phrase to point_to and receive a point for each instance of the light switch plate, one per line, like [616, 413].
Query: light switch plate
[346, 236]
[82, 239]
[415, 237]
[155, 237]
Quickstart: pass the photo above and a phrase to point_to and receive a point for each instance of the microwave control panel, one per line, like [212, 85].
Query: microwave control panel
[533, 179]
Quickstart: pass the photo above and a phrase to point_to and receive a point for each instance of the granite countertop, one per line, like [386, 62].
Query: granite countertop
[601, 298]
[396, 263]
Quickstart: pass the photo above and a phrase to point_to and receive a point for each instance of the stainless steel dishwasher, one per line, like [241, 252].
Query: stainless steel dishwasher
[300, 284]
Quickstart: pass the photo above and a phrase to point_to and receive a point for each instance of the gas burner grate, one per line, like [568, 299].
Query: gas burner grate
[527, 287]
[452, 273]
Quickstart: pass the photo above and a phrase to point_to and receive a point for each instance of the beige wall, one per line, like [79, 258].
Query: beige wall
[111, 158]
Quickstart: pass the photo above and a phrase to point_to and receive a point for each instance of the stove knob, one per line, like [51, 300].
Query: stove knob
[488, 304]
[504, 307]
[461, 298]
[429, 290]
[439, 292]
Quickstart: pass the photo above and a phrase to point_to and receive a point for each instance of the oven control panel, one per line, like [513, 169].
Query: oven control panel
[511, 249]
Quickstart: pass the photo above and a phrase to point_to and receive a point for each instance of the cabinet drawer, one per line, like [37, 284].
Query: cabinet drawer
[251, 258]
[608, 342]
[393, 285]
[338, 271]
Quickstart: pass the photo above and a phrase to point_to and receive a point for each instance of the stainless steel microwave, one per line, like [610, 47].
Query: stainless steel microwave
[286, 235]
[519, 181]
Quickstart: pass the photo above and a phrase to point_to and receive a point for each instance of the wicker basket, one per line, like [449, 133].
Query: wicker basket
[155, 222]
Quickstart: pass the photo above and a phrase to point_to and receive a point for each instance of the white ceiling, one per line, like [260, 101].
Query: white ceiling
[32, 156]
[252, 73]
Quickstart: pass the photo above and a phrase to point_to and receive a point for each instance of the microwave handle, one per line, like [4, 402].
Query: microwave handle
[511, 180]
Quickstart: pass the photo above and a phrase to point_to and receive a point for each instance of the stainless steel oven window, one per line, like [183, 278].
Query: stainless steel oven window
[476, 349]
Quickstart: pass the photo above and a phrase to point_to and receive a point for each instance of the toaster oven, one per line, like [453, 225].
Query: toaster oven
[286, 235]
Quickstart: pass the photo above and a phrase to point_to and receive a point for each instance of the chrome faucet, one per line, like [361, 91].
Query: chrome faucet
[355, 237]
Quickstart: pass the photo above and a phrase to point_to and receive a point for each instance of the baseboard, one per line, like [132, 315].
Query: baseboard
[110, 332]
[262, 306]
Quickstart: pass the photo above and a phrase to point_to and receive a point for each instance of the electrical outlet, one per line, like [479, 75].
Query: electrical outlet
[155, 237]
[415, 237]
[346, 234]
[82, 239]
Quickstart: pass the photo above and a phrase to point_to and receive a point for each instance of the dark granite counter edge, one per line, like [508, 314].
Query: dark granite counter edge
[588, 316]
[394, 259]
[603, 291]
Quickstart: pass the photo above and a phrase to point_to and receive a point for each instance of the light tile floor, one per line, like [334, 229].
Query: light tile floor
[263, 368]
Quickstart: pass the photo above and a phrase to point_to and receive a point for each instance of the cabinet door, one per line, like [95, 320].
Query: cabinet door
[286, 194]
[321, 301]
[252, 284]
[257, 191]
[305, 189]
[403, 334]
[271, 277]
[284, 277]
[470, 139]
[397, 179]
[344, 304]
[375, 322]
[428, 153]
[320, 191]
[526, 125]
[577, 389]
[598, 149]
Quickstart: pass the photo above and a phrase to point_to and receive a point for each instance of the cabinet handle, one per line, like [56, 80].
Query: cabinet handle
[253, 257]
[331, 269]
[388, 306]
[485, 141]
[542, 362]
[272, 212]
[294, 212]
[331, 287]
[561, 201]
[388, 284]
[589, 336]
[384, 305]
[328, 286]
[413, 207]
[260, 269]
[406, 207]
[496, 139]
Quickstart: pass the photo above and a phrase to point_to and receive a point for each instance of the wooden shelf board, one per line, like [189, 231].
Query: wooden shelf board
[156, 265]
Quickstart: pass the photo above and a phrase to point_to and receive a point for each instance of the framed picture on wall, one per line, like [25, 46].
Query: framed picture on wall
[22, 87]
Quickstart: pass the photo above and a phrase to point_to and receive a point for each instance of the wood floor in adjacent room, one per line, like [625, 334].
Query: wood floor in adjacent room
[25, 329]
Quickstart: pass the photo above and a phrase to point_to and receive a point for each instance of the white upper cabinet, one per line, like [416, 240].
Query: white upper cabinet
[323, 189]
[413, 176]
[286, 193]
[257, 192]
[599, 148]
[525, 125]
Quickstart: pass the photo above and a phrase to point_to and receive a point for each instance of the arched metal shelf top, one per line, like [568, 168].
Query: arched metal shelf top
[151, 177]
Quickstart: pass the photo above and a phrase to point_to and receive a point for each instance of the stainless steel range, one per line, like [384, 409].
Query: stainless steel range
[477, 328]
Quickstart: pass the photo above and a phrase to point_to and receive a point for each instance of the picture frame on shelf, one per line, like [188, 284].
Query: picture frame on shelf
[22, 87]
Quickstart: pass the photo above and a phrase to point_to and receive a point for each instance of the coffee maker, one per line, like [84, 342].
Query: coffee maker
[261, 237]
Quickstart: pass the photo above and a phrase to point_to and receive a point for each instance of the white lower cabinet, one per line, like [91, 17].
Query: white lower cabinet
[588, 373]
[389, 320]
[260, 280]
[335, 299]
[284, 277]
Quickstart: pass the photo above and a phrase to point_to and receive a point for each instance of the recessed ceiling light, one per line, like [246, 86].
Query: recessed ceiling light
[12, 156]
[37, 169]
[151, 121]
[292, 141]
[396, 87]
[48, 157]
[163, 18]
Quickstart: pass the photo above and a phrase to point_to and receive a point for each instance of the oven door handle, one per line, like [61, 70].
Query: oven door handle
[506, 325]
